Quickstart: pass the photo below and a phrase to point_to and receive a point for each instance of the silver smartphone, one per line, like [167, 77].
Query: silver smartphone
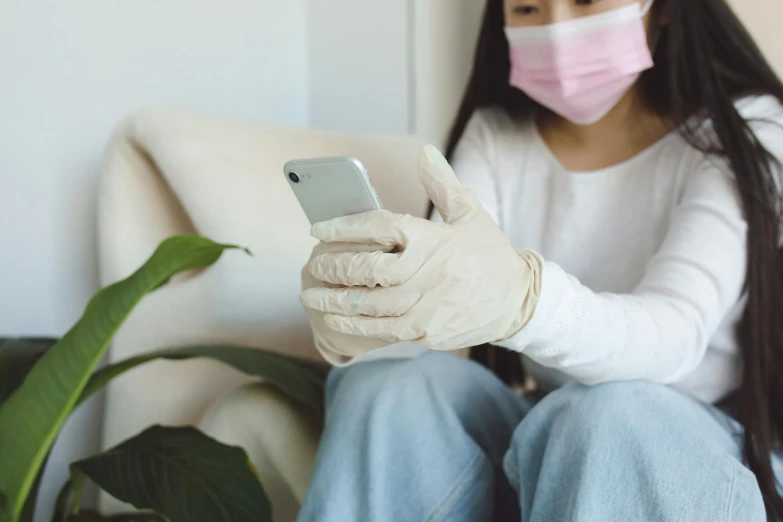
[329, 188]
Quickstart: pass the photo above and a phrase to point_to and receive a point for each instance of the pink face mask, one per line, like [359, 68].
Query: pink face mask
[581, 68]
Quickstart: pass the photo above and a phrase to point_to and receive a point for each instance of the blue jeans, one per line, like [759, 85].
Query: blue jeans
[440, 438]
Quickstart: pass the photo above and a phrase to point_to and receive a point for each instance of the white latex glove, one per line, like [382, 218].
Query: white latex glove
[336, 347]
[448, 286]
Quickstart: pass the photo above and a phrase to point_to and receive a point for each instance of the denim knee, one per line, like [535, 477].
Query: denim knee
[457, 391]
[403, 381]
[587, 418]
[616, 407]
[630, 417]
[665, 455]
[620, 412]
[395, 430]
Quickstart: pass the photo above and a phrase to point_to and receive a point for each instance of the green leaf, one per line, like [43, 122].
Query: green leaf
[62, 502]
[28, 510]
[32, 417]
[181, 474]
[128, 517]
[300, 380]
[63, 511]
[17, 356]
[123, 517]
[93, 516]
[84, 517]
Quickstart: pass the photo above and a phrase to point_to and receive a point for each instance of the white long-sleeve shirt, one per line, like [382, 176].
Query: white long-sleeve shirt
[644, 261]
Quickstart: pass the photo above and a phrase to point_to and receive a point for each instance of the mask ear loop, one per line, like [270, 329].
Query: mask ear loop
[646, 8]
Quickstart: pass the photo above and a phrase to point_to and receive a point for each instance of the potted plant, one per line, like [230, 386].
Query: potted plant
[169, 473]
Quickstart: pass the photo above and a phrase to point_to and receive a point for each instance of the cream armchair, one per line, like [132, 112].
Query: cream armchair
[167, 173]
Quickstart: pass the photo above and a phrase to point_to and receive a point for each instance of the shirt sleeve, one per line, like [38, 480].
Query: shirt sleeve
[473, 165]
[660, 331]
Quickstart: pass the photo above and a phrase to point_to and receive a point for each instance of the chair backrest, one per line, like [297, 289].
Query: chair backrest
[168, 173]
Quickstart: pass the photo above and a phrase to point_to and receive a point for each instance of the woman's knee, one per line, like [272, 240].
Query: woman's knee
[608, 415]
[626, 417]
[368, 379]
[646, 440]
[406, 384]
[624, 403]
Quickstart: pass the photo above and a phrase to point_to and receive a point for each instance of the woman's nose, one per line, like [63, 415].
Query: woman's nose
[560, 12]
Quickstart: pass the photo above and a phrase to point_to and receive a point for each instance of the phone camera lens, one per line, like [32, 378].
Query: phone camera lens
[293, 177]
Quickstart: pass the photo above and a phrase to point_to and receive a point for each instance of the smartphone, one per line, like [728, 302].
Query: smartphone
[329, 188]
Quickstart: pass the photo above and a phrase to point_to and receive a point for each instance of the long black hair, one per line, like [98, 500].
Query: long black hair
[705, 61]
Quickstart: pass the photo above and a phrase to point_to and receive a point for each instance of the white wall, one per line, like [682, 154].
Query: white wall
[68, 72]
[390, 66]
[446, 34]
[360, 66]
[763, 19]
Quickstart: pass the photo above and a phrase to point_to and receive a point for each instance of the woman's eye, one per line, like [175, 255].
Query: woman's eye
[586, 2]
[525, 10]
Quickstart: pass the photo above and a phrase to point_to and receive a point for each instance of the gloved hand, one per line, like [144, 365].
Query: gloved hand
[336, 347]
[446, 286]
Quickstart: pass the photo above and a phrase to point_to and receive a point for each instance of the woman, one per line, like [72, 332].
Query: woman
[629, 153]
